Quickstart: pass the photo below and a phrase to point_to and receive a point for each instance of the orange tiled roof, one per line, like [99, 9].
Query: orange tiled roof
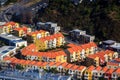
[32, 62]
[113, 64]
[104, 69]
[117, 59]
[51, 63]
[36, 32]
[64, 64]
[71, 50]
[71, 45]
[98, 68]
[85, 46]
[44, 63]
[110, 71]
[93, 44]
[12, 59]
[81, 68]
[21, 28]
[16, 61]
[91, 68]
[69, 66]
[53, 54]
[109, 51]
[21, 61]
[6, 58]
[117, 70]
[1, 26]
[10, 23]
[57, 35]
[38, 63]
[98, 54]
[29, 49]
[62, 53]
[75, 67]
[58, 64]
[27, 62]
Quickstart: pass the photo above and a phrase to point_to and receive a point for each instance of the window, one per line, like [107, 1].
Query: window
[113, 75]
[86, 72]
[96, 73]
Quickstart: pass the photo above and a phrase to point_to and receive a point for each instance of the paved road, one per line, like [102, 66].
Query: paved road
[19, 7]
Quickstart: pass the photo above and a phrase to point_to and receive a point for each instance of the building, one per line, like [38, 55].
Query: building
[86, 38]
[12, 40]
[102, 72]
[1, 26]
[108, 74]
[72, 70]
[77, 52]
[107, 43]
[100, 58]
[49, 42]
[115, 47]
[80, 72]
[96, 74]
[74, 34]
[49, 26]
[114, 64]
[88, 74]
[59, 56]
[32, 36]
[61, 67]
[9, 26]
[7, 51]
[111, 45]
[80, 36]
[21, 31]
[116, 74]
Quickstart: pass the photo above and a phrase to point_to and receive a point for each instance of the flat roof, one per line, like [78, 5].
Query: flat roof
[77, 30]
[10, 37]
[87, 35]
[5, 49]
[116, 46]
[109, 42]
[2, 23]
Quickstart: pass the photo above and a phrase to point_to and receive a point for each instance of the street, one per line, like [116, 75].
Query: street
[6, 12]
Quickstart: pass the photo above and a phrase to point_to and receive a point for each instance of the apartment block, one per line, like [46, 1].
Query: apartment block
[80, 36]
[53, 28]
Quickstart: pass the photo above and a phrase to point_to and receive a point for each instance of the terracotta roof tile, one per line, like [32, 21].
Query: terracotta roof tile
[58, 64]
[38, 64]
[64, 64]
[51, 63]
[6, 58]
[117, 70]
[75, 67]
[110, 71]
[98, 68]
[69, 66]
[32, 62]
[113, 64]
[91, 68]
[104, 69]
[44, 63]
[81, 68]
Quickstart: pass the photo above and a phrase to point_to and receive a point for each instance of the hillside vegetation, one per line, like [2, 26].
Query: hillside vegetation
[100, 18]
